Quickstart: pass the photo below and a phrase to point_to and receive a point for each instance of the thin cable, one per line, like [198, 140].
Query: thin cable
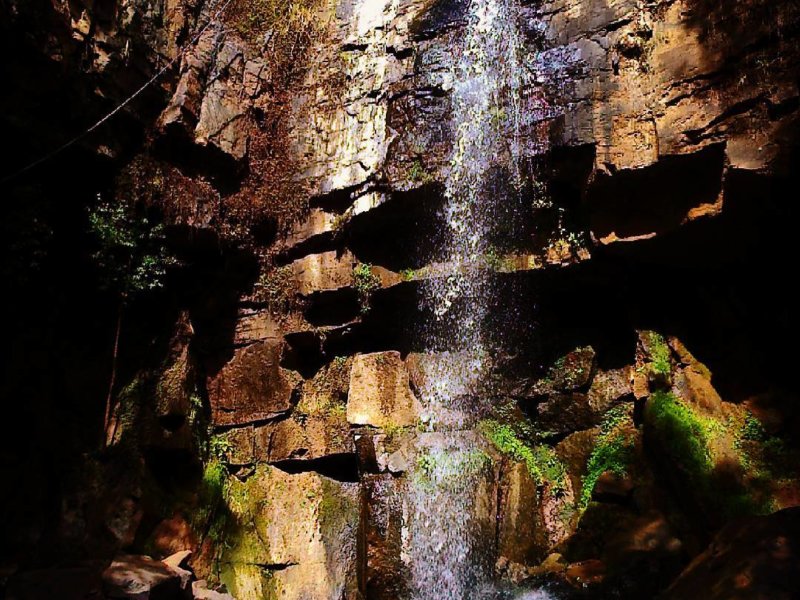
[130, 98]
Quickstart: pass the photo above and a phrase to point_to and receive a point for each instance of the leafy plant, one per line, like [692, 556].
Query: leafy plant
[366, 282]
[542, 462]
[220, 447]
[418, 174]
[683, 434]
[132, 258]
[612, 452]
[408, 274]
[659, 353]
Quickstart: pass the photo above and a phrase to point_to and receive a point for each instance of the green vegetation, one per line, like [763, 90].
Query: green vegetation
[131, 249]
[366, 282]
[276, 287]
[767, 457]
[542, 462]
[211, 514]
[496, 261]
[752, 429]
[612, 452]
[132, 258]
[659, 353]
[418, 174]
[687, 439]
[572, 370]
[684, 435]
[444, 469]
[219, 447]
[408, 274]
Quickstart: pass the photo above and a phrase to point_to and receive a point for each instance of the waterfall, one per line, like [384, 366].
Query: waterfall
[449, 501]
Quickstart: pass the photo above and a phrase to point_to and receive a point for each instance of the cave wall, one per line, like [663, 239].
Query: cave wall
[647, 265]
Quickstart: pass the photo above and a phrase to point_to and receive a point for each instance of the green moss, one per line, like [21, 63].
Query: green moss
[766, 457]
[683, 434]
[659, 353]
[687, 439]
[408, 274]
[366, 283]
[442, 469]
[613, 452]
[417, 172]
[542, 462]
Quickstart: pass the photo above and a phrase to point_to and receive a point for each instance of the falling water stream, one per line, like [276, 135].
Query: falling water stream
[449, 505]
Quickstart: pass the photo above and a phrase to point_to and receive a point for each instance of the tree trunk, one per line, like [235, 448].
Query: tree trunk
[110, 395]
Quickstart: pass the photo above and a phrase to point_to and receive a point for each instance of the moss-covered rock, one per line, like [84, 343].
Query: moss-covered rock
[289, 536]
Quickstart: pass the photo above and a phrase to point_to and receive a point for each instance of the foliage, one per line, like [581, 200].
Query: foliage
[219, 447]
[687, 439]
[753, 429]
[542, 461]
[443, 469]
[366, 282]
[408, 274]
[612, 452]
[131, 253]
[276, 287]
[418, 174]
[683, 434]
[659, 353]
[496, 261]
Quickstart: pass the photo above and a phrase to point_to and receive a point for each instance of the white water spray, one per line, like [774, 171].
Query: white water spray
[449, 501]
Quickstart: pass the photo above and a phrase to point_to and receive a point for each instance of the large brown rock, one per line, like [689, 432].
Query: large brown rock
[142, 578]
[325, 272]
[291, 536]
[380, 394]
[533, 519]
[252, 386]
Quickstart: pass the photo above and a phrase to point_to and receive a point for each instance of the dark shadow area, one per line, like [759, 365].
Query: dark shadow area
[404, 232]
[340, 467]
[654, 199]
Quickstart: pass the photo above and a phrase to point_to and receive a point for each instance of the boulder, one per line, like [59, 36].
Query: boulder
[574, 370]
[380, 394]
[142, 578]
[252, 386]
[290, 536]
[532, 520]
[325, 272]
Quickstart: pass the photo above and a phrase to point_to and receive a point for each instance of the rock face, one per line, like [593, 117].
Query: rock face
[138, 577]
[273, 402]
[379, 392]
[293, 536]
[252, 387]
